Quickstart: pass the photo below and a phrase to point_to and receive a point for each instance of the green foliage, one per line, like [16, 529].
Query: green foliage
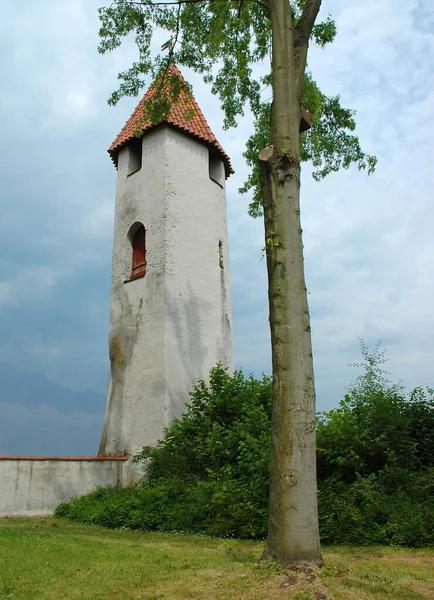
[222, 429]
[329, 144]
[371, 511]
[223, 40]
[210, 472]
[375, 461]
[376, 426]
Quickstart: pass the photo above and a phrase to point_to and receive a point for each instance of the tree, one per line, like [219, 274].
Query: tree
[222, 39]
[209, 474]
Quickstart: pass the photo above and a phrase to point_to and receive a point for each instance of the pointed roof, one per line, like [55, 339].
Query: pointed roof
[178, 117]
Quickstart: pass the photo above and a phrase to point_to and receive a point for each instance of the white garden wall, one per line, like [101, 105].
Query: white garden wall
[33, 487]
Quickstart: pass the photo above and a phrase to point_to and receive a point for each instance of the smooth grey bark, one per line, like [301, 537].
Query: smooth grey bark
[293, 533]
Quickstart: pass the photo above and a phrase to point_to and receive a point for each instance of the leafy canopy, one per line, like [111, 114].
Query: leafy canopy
[223, 40]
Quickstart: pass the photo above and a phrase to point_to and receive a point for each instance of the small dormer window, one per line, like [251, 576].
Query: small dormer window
[216, 169]
[138, 244]
[134, 156]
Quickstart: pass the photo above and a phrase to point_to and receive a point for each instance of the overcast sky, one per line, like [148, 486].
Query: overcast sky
[369, 244]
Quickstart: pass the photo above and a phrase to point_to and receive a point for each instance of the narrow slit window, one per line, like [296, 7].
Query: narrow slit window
[134, 156]
[216, 169]
[221, 263]
[139, 253]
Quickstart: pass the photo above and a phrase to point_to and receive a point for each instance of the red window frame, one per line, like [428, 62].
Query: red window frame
[138, 267]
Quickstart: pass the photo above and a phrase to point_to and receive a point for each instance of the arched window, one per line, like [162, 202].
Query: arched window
[138, 243]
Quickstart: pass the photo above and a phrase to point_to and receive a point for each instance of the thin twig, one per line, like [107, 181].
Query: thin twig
[178, 19]
[170, 3]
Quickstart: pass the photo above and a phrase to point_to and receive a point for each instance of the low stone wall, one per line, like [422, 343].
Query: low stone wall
[34, 486]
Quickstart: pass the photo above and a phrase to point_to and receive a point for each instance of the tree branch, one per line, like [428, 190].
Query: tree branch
[306, 21]
[172, 47]
[151, 3]
[170, 3]
[178, 22]
[302, 33]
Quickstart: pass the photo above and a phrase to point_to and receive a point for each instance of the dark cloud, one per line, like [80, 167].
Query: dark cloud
[368, 241]
[44, 431]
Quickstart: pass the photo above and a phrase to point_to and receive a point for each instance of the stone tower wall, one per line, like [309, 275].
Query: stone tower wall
[170, 327]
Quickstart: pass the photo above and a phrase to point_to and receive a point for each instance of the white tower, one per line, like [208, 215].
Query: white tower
[170, 318]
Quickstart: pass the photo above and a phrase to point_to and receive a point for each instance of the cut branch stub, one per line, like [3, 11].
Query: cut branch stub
[266, 154]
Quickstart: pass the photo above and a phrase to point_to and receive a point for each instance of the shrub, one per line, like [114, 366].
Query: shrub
[210, 472]
[375, 462]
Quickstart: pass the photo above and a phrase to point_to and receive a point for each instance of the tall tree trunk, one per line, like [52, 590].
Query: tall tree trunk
[293, 533]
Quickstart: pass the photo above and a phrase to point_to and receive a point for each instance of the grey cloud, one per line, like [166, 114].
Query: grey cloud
[368, 241]
[43, 431]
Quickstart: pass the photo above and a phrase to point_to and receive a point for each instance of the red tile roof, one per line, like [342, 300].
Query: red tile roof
[178, 117]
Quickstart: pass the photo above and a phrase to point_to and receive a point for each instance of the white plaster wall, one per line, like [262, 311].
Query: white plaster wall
[169, 328]
[136, 340]
[30, 488]
[198, 324]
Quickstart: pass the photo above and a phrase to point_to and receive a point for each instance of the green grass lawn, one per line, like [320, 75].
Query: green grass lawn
[52, 559]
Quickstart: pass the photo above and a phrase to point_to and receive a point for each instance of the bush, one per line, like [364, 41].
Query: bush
[375, 462]
[210, 472]
[363, 513]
